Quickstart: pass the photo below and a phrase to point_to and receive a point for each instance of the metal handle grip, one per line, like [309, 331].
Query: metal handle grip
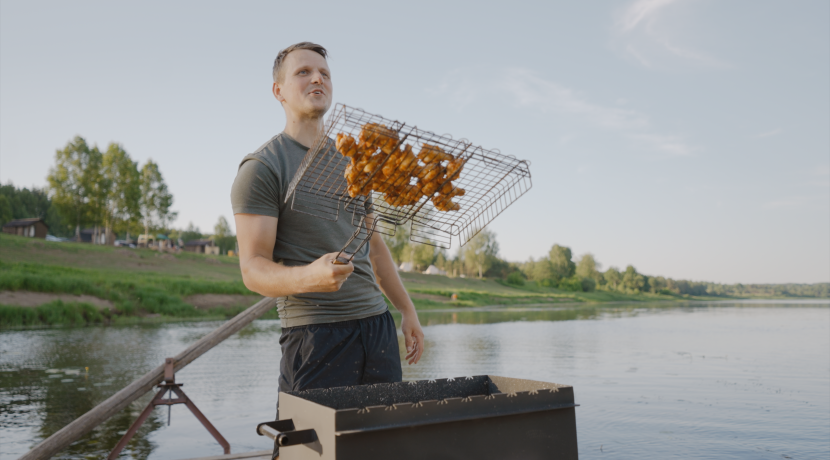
[282, 431]
[341, 261]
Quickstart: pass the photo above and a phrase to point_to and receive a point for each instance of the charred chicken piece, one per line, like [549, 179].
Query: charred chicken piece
[346, 145]
[454, 168]
[445, 203]
[433, 154]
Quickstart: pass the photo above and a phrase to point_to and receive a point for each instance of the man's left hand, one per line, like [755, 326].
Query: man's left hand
[413, 337]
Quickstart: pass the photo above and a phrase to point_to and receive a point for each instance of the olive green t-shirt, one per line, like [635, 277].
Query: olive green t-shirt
[260, 187]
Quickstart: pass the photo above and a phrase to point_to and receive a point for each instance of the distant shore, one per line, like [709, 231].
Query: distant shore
[45, 283]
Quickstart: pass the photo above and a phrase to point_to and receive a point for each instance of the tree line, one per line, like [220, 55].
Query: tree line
[108, 190]
[105, 190]
[479, 257]
[559, 269]
[20, 203]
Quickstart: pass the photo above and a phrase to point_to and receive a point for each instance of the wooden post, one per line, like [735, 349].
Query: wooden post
[100, 413]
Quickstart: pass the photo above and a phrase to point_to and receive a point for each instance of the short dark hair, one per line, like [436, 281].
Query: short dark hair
[299, 46]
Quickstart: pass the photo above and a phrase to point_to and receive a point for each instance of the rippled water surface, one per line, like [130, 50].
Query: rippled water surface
[728, 380]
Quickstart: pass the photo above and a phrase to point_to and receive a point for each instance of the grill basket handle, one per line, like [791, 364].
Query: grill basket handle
[282, 431]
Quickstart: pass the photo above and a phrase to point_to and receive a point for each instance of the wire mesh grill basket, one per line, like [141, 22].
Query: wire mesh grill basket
[456, 192]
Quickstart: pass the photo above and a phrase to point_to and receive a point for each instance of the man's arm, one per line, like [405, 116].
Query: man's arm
[256, 236]
[390, 284]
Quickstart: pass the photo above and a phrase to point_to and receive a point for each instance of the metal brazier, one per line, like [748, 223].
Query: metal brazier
[467, 417]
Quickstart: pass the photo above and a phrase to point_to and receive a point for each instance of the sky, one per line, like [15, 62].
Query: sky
[688, 138]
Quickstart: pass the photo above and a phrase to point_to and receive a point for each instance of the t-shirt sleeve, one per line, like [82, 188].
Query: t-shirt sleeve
[256, 190]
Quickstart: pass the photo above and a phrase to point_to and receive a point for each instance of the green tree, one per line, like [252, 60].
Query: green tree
[499, 268]
[516, 278]
[573, 283]
[223, 235]
[441, 260]
[222, 228]
[588, 284]
[561, 263]
[658, 283]
[421, 255]
[5, 210]
[398, 243]
[455, 266]
[120, 173]
[190, 233]
[25, 203]
[481, 251]
[588, 267]
[155, 199]
[35, 203]
[613, 277]
[631, 280]
[540, 271]
[98, 187]
[72, 182]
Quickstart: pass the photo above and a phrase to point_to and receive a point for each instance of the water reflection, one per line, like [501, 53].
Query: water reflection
[654, 381]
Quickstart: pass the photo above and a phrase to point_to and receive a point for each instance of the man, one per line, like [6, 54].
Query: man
[336, 327]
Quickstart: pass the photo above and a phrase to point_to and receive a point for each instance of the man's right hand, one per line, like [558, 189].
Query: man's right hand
[323, 275]
[262, 275]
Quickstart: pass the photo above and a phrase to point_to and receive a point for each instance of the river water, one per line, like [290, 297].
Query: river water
[739, 380]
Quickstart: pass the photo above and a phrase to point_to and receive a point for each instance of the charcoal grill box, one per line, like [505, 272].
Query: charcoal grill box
[480, 417]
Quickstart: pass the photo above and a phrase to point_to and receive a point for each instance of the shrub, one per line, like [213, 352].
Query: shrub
[589, 284]
[571, 284]
[516, 278]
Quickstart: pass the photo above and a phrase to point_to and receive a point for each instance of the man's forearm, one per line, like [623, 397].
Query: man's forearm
[387, 276]
[271, 279]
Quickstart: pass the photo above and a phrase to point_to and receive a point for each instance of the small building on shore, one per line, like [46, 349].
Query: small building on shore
[33, 227]
[201, 247]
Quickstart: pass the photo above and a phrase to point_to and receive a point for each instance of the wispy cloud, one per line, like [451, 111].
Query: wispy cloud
[641, 33]
[641, 11]
[525, 89]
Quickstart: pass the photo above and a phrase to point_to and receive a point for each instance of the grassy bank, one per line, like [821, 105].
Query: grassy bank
[429, 291]
[138, 283]
[143, 285]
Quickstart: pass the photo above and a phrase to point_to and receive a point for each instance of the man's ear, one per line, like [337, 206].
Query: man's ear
[277, 92]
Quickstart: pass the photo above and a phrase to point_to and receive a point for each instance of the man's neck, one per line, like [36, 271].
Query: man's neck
[303, 130]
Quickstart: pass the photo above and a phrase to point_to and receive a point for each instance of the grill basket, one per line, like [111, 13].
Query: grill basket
[491, 181]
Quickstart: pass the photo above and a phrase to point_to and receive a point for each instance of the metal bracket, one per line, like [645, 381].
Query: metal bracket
[168, 386]
[282, 431]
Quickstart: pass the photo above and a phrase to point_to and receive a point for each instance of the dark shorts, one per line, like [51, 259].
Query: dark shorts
[345, 353]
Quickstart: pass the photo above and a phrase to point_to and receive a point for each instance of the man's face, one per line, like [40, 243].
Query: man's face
[305, 88]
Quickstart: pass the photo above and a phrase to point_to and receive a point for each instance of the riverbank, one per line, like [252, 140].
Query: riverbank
[45, 283]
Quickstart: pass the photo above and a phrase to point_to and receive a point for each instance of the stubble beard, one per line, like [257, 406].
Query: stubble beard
[317, 113]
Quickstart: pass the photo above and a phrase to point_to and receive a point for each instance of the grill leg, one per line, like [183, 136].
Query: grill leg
[136, 425]
[209, 426]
